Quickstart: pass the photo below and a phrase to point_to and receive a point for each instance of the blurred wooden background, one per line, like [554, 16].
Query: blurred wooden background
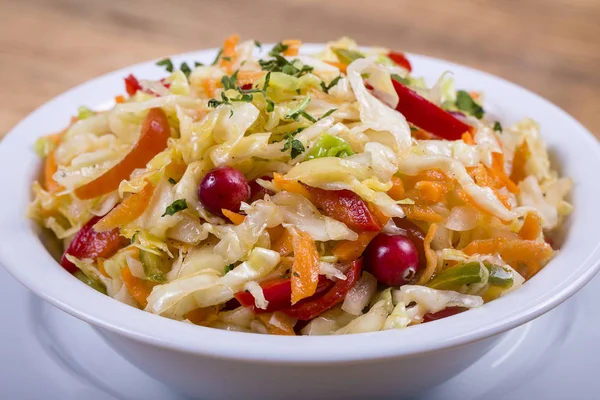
[549, 46]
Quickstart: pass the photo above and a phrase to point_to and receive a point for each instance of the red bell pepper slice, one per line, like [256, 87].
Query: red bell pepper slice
[345, 206]
[88, 243]
[312, 308]
[153, 140]
[447, 312]
[278, 292]
[132, 85]
[400, 59]
[427, 116]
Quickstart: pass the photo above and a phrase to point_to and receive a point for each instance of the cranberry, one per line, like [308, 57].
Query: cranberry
[258, 192]
[223, 187]
[392, 259]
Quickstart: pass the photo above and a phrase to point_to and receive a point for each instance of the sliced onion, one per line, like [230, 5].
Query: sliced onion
[461, 218]
[359, 296]
[136, 267]
[256, 291]
[330, 271]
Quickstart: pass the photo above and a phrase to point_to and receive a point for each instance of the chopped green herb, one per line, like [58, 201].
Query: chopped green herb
[228, 268]
[278, 49]
[175, 207]
[299, 111]
[346, 56]
[334, 82]
[295, 146]
[296, 274]
[258, 44]
[217, 57]
[270, 105]
[226, 58]
[134, 237]
[413, 128]
[172, 181]
[166, 63]
[497, 126]
[230, 113]
[198, 64]
[280, 64]
[185, 69]
[398, 78]
[83, 112]
[228, 82]
[465, 102]
[328, 113]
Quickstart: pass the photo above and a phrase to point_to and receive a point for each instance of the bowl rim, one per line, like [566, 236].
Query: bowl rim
[20, 245]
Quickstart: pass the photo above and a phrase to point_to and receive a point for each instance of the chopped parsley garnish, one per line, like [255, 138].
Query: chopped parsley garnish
[328, 113]
[297, 112]
[258, 44]
[228, 268]
[280, 64]
[166, 63]
[185, 69]
[175, 207]
[134, 237]
[172, 181]
[334, 82]
[497, 126]
[465, 102]
[198, 64]
[278, 49]
[294, 145]
[228, 82]
[217, 57]
[226, 58]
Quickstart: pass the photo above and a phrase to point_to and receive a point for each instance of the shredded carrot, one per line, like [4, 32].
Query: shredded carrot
[293, 47]
[276, 232]
[291, 186]
[210, 86]
[228, 55]
[526, 256]
[432, 191]
[420, 134]
[233, 217]
[100, 262]
[498, 170]
[350, 250]
[381, 217]
[475, 95]
[305, 269]
[202, 316]
[468, 138]
[119, 99]
[522, 154]
[338, 65]
[50, 169]
[284, 245]
[430, 256]
[531, 228]
[128, 211]
[282, 326]
[421, 213]
[138, 288]
[249, 77]
[397, 191]
[487, 177]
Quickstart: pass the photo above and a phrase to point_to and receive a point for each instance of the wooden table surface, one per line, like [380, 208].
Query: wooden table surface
[549, 46]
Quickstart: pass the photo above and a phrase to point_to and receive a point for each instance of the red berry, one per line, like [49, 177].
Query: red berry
[223, 187]
[392, 259]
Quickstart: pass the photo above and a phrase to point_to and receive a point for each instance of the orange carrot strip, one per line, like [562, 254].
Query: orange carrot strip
[249, 77]
[498, 169]
[432, 191]
[520, 159]
[429, 256]
[283, 327]
[100, 262]
[233, 217]
[210, 86]
[339, 65]
[138, 288]
[468, 138]
[50, 169]
[526, 256]
[397, 191]
[276, 232]
[350, 250]
[532, 227]
[284, 245]
[305, 269]
[119, 99]
[202, 316]
[228, 55]
[293, 47]
[421, 213]
[291, 186]
[128, 211]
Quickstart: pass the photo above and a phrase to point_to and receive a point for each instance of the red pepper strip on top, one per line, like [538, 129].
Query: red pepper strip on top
[345, 206]
[132, 85]
[427, 116]
[153, 140]
[278, 292]
[309, 309]
[400, 59]
[88, 243]
[447, 312]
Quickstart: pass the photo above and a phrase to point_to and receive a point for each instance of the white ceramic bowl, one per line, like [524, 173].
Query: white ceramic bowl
[212, 363]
